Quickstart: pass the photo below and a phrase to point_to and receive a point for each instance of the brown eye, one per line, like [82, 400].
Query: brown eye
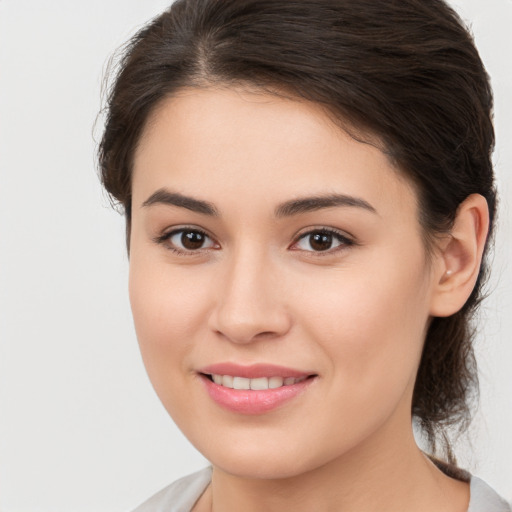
[189, 240]
[322, 241]
[192, 240]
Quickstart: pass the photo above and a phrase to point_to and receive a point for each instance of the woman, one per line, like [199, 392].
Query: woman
[309, 197]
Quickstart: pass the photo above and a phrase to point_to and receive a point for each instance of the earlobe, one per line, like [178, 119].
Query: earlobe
[459, 257]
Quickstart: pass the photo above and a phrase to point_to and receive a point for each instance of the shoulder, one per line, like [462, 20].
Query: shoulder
[485, 499]
[180, 496]
[482, 497]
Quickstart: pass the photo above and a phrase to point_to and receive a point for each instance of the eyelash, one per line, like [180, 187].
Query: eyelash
[343, 240]
[165, 238]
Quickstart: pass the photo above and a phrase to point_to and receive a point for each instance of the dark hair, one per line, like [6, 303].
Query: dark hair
[405, 72]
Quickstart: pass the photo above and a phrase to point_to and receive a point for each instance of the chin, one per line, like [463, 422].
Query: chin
[257, 459]
[261, 467]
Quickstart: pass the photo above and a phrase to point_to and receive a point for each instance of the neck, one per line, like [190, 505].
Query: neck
[382, 476]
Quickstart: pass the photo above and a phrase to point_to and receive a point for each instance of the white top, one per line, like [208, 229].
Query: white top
[181, 495]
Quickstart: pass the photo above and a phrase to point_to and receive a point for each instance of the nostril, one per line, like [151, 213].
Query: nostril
[266, 334]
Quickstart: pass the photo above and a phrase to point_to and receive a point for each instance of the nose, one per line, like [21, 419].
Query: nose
[251, 302]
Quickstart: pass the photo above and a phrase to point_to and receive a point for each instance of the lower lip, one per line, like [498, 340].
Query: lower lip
[251, 402]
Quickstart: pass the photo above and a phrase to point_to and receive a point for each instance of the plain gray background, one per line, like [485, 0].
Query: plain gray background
[80, 427]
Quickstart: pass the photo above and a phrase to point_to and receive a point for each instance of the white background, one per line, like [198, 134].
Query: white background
[80, 427]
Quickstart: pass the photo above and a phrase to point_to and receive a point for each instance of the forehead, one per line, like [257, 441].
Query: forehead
[214, 142]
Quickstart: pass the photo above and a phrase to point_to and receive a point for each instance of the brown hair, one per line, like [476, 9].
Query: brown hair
[404, 71]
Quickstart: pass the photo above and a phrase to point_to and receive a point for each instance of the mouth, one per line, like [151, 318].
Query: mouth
[256, 384]
[255, 389]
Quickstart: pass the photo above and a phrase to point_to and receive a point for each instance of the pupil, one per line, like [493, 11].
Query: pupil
[192, 240]
[321, 241]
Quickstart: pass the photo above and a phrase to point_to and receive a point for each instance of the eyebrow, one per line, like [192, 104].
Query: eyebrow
[163, 196]
[311, 204]
[287, 209]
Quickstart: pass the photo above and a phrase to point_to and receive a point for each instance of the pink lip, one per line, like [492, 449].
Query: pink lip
[252, 371]
[253, 402]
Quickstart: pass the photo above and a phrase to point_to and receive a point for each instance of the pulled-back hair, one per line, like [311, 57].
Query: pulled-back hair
[403, 72]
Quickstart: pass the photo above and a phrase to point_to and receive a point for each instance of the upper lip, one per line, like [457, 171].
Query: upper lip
[252, 371]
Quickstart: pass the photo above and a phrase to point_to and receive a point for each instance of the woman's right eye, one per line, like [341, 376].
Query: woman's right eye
[186, 240]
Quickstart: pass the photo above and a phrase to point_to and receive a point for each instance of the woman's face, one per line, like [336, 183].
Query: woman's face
[270, 250]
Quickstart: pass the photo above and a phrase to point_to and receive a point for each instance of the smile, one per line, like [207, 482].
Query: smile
[257, 384]
[255, 389]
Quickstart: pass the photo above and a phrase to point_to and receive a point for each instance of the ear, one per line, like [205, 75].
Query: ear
[458, 257]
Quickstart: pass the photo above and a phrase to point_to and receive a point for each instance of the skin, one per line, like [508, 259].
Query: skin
[354, 315]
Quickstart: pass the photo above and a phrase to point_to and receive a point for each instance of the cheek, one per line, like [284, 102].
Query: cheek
[168, 309]
[371, 324]
[164, 299]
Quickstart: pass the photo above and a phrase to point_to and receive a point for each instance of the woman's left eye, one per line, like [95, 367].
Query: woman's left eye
[321, 240]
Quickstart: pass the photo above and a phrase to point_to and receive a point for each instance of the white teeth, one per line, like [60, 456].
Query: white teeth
[241, 383]
[259, 383]
[275, 382]
[227, 381]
